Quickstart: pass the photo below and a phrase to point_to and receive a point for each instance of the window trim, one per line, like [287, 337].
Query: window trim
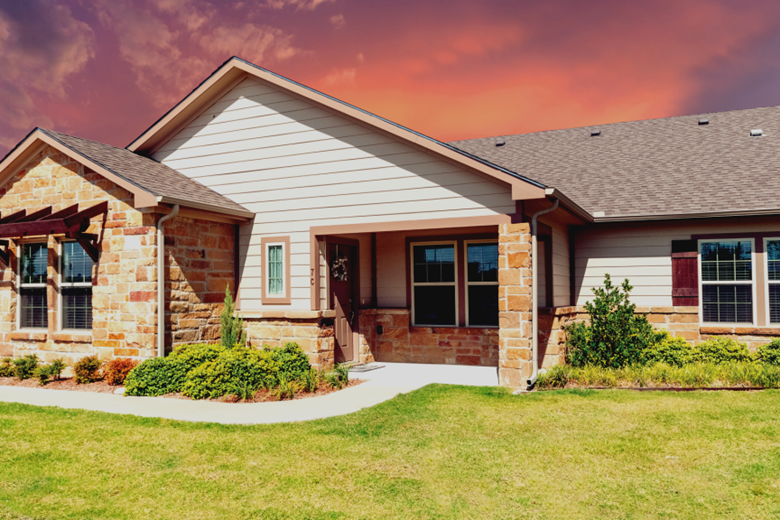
[265, 298]
[753, 281]
[768, 282]
[454, 283]
[19, 250]
[61, 284]
[466, 277]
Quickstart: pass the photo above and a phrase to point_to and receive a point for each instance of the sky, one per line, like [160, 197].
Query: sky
[452, 69]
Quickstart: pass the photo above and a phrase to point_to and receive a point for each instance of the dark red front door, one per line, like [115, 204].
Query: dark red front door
[341, 263]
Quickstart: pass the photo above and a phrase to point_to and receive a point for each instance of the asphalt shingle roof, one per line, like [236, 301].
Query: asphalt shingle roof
[670, 166]
[148, 174]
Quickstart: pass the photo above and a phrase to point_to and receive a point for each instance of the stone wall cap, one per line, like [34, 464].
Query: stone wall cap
[286, 313]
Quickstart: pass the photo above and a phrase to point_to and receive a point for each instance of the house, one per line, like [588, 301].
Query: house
[363, 240]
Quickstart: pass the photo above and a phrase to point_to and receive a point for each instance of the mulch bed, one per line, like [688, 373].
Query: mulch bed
[67, 383]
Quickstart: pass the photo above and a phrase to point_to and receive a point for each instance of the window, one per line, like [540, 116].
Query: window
[482, 284]
[727, 281]
[276, 270]
[33, 303]
[772, 249]
[434, 292]
[75, 287]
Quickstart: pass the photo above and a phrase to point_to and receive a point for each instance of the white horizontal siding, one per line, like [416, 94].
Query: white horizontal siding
[297, 166]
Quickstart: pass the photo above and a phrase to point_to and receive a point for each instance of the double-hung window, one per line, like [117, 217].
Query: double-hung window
[727, 277]
[772, 250]
[434, 290]
[482, 284]
[33, 302]
[75, 287]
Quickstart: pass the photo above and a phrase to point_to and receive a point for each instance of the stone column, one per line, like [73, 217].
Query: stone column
[514, 304]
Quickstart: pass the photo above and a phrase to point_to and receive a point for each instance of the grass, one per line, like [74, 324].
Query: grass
[696, 375]
[439, 452]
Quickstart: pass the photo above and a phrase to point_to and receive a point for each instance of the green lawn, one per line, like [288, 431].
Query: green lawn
[440, 452]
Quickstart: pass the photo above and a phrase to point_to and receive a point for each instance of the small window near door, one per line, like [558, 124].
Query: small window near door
[33, 302]
[434, 295]
[482, 284]
[276, 271]
[76, 287]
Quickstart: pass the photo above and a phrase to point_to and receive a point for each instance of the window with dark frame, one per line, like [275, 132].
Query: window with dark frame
[482, 284]
[434, 288]
[727, 281]
[33, 301]
[773, 279]
[76, 287]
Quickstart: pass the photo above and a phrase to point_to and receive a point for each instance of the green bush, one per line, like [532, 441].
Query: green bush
[24, 367]
[52, 371]
[7, 367]
[233, 372]
[293, 362]
[286, 389]
[231, 329]
[87, 370]
[769, 353]
[722, 350]
[338, 377]
[672, 350]
[310, 380]
[160, 376]
[615, 336]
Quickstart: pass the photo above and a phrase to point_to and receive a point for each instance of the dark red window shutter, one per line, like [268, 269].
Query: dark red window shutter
[685, 273]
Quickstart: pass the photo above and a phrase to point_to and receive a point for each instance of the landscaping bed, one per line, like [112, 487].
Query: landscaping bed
[65, 383]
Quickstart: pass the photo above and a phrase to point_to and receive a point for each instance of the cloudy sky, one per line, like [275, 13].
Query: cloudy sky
[453, 69]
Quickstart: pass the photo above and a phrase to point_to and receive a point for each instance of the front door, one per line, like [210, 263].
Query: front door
[342, 267]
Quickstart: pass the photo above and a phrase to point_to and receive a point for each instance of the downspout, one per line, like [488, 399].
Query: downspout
[534, 297]
[161, 281]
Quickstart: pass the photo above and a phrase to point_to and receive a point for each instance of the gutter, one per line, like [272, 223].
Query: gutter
[161, 281]
[534, 297]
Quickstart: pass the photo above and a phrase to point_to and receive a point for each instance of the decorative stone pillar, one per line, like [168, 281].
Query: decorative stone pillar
[514, 304]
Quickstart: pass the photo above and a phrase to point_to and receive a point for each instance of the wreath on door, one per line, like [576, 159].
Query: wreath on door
[338, 269]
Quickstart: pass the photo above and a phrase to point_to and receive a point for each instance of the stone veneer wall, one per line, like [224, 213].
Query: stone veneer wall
[123, 320]
[402, 343]
[309, 329]
[200, 265]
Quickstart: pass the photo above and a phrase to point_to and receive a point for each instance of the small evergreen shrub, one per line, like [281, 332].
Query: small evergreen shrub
[24, 367]
[232, 370]
[338, 377]
[160, 376]
[293, 362]
[231, 329]
[6, 367]
[615, 336]
[769, 353]
[87, 370]
[52, 371]
[672, 350]
[116, 370]
[722, 350]
[310, 380]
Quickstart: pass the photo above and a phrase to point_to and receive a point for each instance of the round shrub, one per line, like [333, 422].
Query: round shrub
[671, 350]
[235, 371]
[293, 362]
[116, 370]
[722, 350]
[24, 367]
[769, 353]
[160, 376]
[87, 370]
[7, 367]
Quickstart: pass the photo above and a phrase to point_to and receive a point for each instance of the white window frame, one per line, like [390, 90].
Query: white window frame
[767, 281]
[60, 285]
[414, 284]
[19, 251]
[266, 258]
[752, 281]
[466, 276]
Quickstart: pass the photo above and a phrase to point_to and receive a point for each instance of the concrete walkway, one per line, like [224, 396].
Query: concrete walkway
[381, 384]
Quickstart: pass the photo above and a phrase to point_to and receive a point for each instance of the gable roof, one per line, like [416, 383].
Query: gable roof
[660, 168]
[235, 70]
[151, 182]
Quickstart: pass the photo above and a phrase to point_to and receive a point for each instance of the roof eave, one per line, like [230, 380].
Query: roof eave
[688, 216]
[234, 212]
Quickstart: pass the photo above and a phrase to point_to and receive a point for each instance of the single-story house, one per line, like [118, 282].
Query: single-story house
[363, 240]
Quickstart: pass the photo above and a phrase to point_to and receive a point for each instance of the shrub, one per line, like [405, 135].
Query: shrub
[7, 367]
[51, 371]
[24, 367]
[722, 350]
[286, 389]
[116, 370]
[160, 376]
[769, 353]
[232, 372]
[616, 336]
[293, 362]
[672, 350]
[338, 377]
[87, 370]
[310, 380]
[231, 329]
